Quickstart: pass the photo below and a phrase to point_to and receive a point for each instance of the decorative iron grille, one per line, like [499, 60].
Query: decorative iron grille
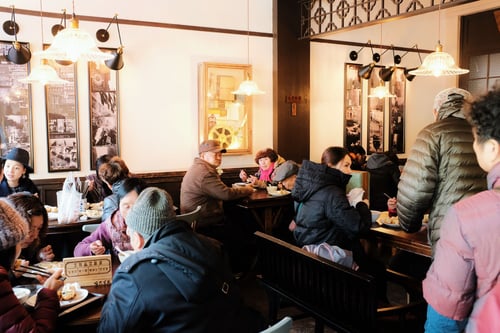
[319, 17]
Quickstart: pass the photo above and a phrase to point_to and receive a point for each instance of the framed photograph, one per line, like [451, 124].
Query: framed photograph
[397, 86]
[376, 113]
[15, 105]
[225, 116]
[62, 120]
[104, 110]
[352, 105]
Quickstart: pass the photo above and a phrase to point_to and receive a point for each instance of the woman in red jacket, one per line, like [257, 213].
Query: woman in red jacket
[13, 316]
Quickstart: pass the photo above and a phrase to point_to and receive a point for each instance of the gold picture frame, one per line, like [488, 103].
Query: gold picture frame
[223, 115]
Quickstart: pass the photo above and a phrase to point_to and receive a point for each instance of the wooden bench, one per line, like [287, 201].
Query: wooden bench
[335, 295]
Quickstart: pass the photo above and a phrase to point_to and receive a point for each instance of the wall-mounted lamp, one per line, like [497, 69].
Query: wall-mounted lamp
[102, 35]
[386, 73]
[353, 55]
[366, 71]
[18, 53]
[398, 58]
[61, 26]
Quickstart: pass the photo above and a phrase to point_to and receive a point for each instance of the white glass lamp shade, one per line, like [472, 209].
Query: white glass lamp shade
[438, 63]
[43, 74]
[381, 92]
[73, 44]
[248, 87]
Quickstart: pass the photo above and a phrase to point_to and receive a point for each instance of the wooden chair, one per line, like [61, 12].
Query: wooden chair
[190, 217]
[282, 326]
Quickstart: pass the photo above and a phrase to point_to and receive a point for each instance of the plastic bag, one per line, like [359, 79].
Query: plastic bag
[68, 201]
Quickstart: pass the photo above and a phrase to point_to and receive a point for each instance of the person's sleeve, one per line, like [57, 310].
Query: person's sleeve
[351, 220]
[101, 233]
[417, 185]
[451, 280]
[46, 310]
[122, 310]
[436, 322]
[213, 186]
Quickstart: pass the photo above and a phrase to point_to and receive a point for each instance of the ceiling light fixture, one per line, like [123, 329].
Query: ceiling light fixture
[73, 44]
[381, 92]
[248, 87]
[43, 73]
[18, 54]
[102, 35]
[438, 63]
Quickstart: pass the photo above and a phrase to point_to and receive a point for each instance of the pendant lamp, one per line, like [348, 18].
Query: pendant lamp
[381, 92]
[74, 44]
[438, 63]
[43, 73]
[248, 87]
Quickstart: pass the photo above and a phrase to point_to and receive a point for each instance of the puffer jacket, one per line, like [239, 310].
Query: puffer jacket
[202, 186]
[441, 169]
[467, 262]
[180, 282]
[14, 318]
[323, 213]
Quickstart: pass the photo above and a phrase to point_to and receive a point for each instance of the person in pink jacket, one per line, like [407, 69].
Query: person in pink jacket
[112, 233]
[467, 261]
[14, 317]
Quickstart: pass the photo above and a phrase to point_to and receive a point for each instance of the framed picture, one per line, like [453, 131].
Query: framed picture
[62, 120]
[15, 105]
[225, 116]
[376, 113]
[397, 86]
[352, 105]
[104, 110]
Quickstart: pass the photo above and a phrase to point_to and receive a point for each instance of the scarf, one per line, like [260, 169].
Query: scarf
[266, 174]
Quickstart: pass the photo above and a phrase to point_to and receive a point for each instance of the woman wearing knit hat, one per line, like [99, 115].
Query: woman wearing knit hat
[179, 281]
[16, 171]
[13, 316]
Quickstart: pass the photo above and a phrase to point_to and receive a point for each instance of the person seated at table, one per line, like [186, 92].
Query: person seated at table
[268, 160]
[33, 250]
[16, 170]
[326, 214]
[98, 190]
[466, 263]
[113, 173]
[358, 157]
[14, 317]
[384, 179]
[202, 186]
[178, 281]
[111, 234]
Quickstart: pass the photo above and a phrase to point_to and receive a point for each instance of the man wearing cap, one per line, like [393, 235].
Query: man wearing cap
[202, 186]
[286, 174]
[178, 281]
[16, 171]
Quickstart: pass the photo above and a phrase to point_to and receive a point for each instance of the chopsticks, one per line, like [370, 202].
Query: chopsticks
[387, 195]
[36, 271]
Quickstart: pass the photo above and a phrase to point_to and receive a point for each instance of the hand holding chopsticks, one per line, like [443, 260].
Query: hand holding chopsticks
[35, 271]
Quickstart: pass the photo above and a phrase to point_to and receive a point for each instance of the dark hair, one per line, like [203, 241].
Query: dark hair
[268, 152]
[484, 116]
[129, 185]
[333, 155]
[357, 149]
[393, 157]
[28, 205]
[114, 170]
[100, 161]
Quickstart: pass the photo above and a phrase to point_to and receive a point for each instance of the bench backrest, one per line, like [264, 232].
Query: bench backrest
[343, 298]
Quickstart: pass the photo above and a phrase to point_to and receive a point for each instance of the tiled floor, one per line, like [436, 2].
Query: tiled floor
[255, 296]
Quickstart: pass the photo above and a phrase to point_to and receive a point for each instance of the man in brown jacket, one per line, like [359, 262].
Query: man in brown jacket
[202, 186]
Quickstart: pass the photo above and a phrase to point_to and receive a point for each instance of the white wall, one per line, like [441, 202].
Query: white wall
[327, 71]
[158, 84]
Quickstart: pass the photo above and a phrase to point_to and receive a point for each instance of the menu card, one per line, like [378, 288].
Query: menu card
[88, 271]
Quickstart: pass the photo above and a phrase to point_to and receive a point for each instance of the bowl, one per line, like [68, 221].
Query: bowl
[272, 189]
[22, 294]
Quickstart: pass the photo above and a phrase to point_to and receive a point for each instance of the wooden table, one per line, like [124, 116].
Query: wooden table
[266, 209]
[55, 228]
[413, 242]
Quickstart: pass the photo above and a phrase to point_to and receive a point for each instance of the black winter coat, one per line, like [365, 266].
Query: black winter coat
[384, 178]
[179, 282]
[323, 213]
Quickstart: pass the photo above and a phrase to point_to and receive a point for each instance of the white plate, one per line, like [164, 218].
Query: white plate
[241, 184]
[279, 193]
[22, 294]
[52, 216]
[81, 294]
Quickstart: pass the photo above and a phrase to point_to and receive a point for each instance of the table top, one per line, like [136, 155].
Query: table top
[260, 198]
[57, 228]
[416, 242]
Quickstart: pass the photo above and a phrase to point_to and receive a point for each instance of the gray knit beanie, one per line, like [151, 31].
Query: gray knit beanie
[151, 211]
[13, 228]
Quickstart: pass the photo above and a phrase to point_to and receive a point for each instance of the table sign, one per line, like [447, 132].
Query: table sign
[88, 271]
